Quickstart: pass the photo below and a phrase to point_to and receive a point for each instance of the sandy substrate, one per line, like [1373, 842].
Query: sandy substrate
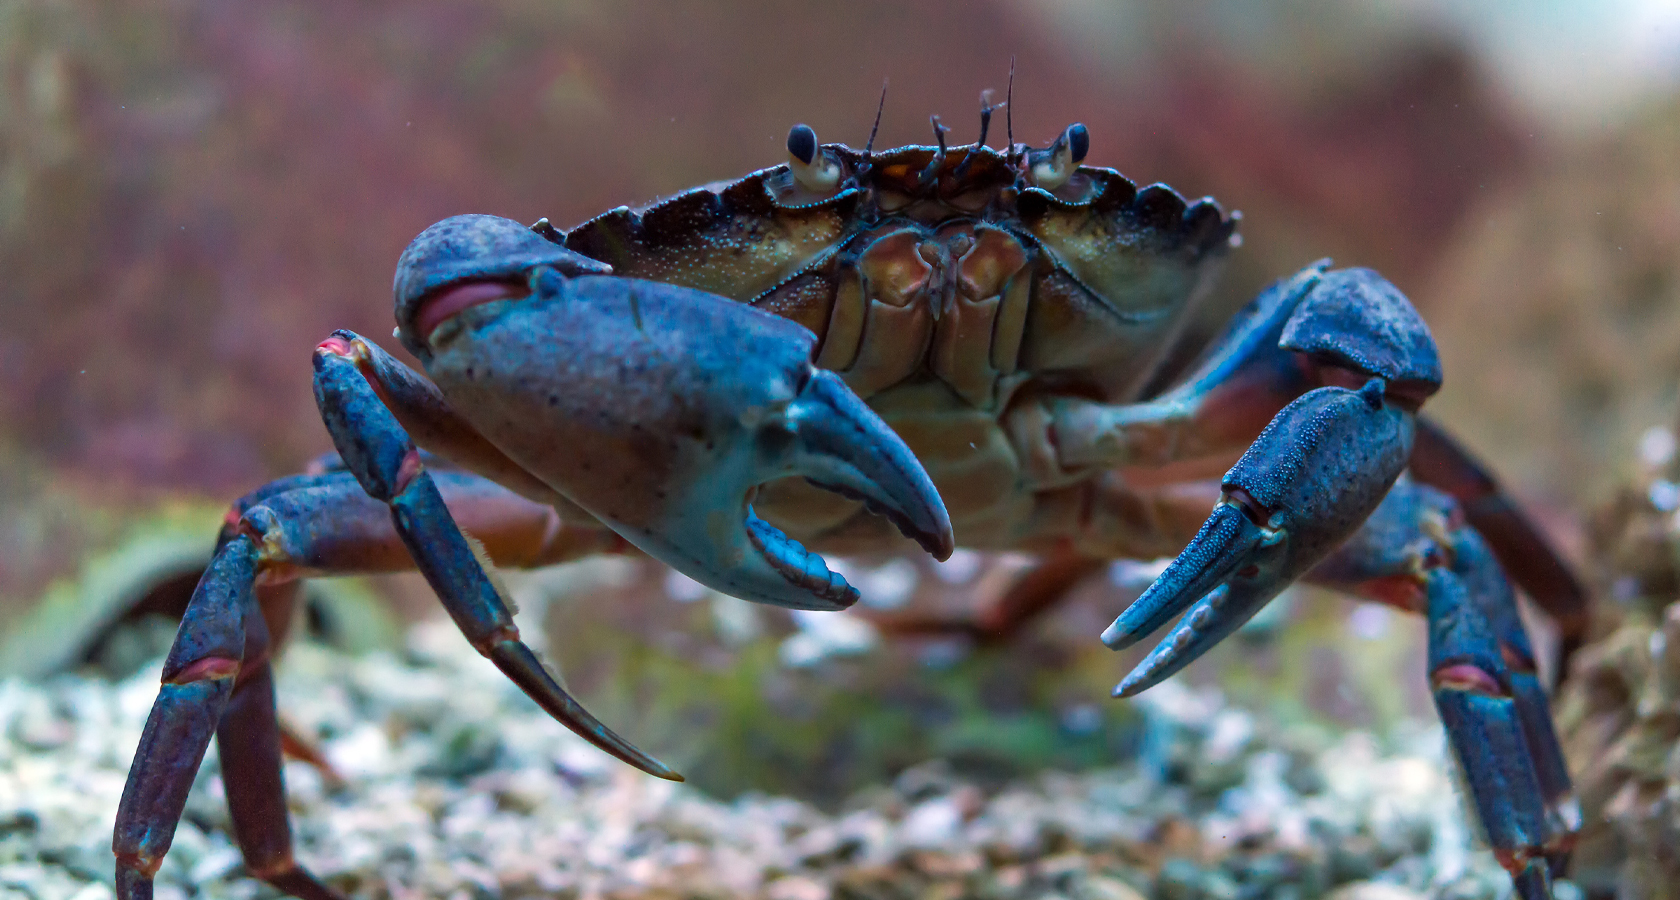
[456, 786]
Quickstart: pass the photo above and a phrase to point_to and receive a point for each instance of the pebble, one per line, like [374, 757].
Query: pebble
[456, 786]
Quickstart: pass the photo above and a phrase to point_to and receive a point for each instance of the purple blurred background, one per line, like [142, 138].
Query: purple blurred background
[193, 194]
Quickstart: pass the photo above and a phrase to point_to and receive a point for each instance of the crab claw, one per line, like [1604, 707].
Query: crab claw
[1309, 480]
[826, 434]
[659, 409]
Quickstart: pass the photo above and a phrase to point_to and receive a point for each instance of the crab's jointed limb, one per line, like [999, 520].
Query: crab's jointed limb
[1418, 552]
[735, 384]
[1312, 478]
[216, 680]
[658, 409]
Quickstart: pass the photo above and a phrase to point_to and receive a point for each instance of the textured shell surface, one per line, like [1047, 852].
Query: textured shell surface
[941, 284]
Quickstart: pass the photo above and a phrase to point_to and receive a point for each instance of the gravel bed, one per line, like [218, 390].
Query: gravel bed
[456, 786]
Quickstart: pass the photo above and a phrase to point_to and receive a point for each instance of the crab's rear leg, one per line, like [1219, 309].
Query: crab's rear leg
[222, 638]
[1418, 552]
[1439, 461]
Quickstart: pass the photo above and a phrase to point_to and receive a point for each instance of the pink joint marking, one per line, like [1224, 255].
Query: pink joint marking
[1465, 677]
[208, 667]
[1515, 658]
[145, 865]
[408, 471]
[501, 634]
[1515, 860]
[337, 346]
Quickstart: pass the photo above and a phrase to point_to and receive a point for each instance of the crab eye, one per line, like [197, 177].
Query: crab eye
[1053, 166]
[1079, 141]
[814, 171]
[802, 143]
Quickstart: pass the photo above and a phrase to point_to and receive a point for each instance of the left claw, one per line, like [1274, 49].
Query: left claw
[1308, 481]
[659, 409]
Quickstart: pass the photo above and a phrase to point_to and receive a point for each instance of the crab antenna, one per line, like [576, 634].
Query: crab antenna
[870, 147]
[986, 110]
[1009, 109]
[931, 173]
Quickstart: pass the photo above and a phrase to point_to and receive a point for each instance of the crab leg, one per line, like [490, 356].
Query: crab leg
[1418, 553]
[1257, 371]
[325, 524]
[218, 677]
[387, 465]
[220, 653]
[1438, 461]
[1213, 414]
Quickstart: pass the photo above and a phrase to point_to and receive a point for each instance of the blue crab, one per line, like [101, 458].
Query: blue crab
[950, 345]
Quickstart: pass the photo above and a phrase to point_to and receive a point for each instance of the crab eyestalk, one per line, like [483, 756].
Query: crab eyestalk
[1051, 167]
[811, 168]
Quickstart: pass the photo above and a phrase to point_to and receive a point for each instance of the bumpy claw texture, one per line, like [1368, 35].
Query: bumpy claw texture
[660, 410]
[1356, 319]
[1308, 481]
[1305, 484]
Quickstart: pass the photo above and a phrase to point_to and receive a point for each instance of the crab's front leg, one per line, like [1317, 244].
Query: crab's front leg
[1311, 479]
[1307, 482]
[1302, 355]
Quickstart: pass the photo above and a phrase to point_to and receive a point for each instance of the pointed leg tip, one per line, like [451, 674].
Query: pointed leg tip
[658, 769]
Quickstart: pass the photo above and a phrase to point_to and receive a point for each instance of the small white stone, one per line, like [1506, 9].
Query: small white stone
[1664, 495]
[823, 634]
[931, 823]
[888, 586]
[960, 568]
[1369, 621]
[737, 621]
[1656, 447]
[683, 589]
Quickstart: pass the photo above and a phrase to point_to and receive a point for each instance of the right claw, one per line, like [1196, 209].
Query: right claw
[657, 408]
[1306, 483]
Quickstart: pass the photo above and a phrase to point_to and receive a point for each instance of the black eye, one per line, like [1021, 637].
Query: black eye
[802, 143]
[1079, 141]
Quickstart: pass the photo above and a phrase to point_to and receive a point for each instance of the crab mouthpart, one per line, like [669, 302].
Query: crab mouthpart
[451, 300]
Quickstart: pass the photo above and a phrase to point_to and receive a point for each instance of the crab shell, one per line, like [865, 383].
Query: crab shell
[941, 284]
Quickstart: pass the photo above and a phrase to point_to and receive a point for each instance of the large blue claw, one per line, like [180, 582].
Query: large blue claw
[1308, 481]
[659, 409]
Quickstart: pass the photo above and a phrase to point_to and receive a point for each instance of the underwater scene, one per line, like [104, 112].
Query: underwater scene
[1045, 449]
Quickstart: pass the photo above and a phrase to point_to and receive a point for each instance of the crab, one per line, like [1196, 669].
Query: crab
[853, 351]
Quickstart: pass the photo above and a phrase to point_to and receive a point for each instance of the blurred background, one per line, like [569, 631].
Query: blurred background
[193, 194]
